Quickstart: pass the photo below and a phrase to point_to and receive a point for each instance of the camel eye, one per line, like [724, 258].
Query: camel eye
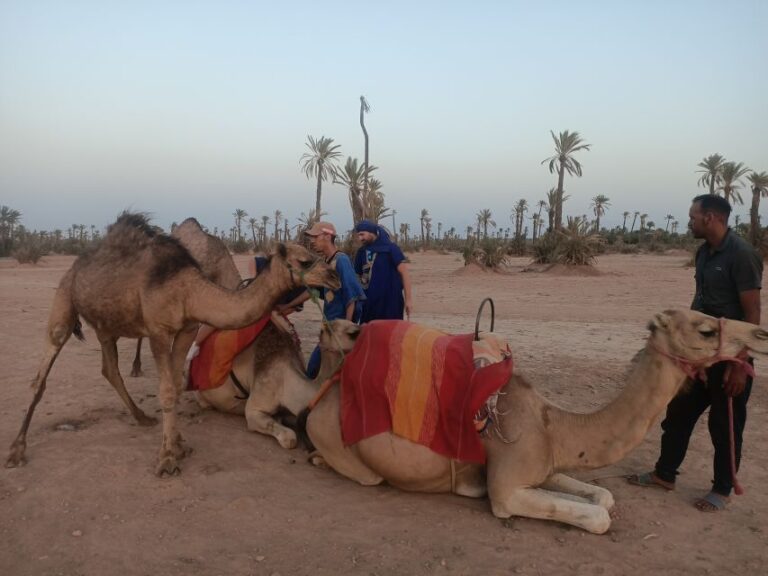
[707, 332]
[306, 264]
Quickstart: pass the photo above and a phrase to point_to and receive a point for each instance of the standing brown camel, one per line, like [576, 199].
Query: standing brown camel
[216, 264]
[532, 442]
[142, 283]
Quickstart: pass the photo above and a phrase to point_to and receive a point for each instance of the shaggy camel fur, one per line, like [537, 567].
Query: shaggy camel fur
[533, 442]
[216, 264]
[272, 371]
[141, 283]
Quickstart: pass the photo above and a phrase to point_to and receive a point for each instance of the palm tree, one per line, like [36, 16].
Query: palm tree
[252, 223]
[599, 204]
[239, 214]
[675, 224]
[730, 183]
[669, 219]
[484, 217]
[265, 220]
[551, 207]
[352, 176]
[519, 211]
[566, 144]
[373, 201]
[759, 185]
[404, 229]
[305, 221]
[439, 230]
[643, 218]
[364, 109]
[624, 223]
[710, 170]
[320, 163]
[422, 219]
[278, 218]
[634, 219]
[9, 219]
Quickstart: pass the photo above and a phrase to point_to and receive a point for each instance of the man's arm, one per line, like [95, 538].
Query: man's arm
[289, 307]
[736, 379]
[406, 276]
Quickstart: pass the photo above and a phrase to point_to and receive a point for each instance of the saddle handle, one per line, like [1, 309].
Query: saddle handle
[480, 313]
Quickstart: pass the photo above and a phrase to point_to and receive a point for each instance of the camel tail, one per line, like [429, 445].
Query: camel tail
[301, 430]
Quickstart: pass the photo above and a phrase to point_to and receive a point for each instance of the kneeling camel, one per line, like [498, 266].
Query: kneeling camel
[533, 442]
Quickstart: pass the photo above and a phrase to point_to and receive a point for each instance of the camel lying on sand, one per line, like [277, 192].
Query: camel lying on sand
[142, 283]
[533, 442]
[214, 259]
[271, 371]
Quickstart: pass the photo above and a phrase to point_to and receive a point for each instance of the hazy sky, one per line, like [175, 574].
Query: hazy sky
[196, 108]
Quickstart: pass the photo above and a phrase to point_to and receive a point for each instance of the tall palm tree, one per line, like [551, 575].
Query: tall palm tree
[364, 109]
[320, 163]
[730, 174]
[239, 215]
[405, 228]
[643, 218]
[352, 176]
[265, 220]
[551, 207]
[252, 222]
[469, 231]
[422, 220]
[566, 144]
[484, 217]
[669, 219]
[278, 219]
[624, 223]
[759, 185]
[710, 171]
[634, 219]
[439, 230]
[599, 204]
[373, 201]
[675, 224]
[519, 210]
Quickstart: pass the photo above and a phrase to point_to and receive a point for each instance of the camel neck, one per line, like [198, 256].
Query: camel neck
[587, 441]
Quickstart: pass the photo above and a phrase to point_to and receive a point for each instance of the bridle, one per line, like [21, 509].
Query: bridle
[696, 369]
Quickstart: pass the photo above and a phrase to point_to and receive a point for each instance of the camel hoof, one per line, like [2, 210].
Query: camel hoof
[316, 460]
[181, 451]
[16, 456]
[167, 467]
[287, 440]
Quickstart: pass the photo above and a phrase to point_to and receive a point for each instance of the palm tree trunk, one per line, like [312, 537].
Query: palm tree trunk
[319, 189]
[559, 207]
[365, 136]
[754, 219]
[712, 184]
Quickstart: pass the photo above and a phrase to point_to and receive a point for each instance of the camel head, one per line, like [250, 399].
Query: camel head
[306, 269]
[339, 335]
[696, 337]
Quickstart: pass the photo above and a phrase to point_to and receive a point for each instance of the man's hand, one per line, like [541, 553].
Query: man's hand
[408, 307]
[734, 380]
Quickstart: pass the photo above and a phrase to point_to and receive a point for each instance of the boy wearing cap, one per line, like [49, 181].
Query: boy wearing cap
[342, 303]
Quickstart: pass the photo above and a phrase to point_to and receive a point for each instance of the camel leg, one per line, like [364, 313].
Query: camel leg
[61, 324]
[545, 505]
[590, 492]
[324, 429]
[136, 371]
[259, 421]
[181, 345]
[110, 370]
[172, 448]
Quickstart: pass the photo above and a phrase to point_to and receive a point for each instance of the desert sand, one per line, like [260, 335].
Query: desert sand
[88, 503]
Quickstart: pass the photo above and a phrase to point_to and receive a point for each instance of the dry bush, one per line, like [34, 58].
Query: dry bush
[29, 252]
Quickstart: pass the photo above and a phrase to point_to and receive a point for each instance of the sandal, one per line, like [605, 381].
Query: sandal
[711, 502]
[650, 480]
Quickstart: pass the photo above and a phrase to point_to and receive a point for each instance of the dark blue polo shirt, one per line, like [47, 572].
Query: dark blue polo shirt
[723, 273]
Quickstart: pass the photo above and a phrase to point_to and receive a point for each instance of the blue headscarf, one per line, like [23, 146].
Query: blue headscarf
[380, 259]
[383, 243]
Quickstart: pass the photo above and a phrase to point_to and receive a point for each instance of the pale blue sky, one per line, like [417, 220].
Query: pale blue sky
[196, 108]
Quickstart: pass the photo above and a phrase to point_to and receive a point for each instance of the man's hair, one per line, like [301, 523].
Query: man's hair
[713, 203]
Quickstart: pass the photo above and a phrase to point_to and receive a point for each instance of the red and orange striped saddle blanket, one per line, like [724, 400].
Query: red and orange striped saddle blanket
[210, 368]
[419, 383]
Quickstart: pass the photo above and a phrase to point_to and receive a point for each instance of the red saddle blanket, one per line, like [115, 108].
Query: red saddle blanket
[210, 368]
[419, 383]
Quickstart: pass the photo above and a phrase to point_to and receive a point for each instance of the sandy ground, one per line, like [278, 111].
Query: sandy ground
[88, 503]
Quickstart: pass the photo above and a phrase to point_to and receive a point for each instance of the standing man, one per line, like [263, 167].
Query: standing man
[342, 303]
[383, 271]
[728, 281]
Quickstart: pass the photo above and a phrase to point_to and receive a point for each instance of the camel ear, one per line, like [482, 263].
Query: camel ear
[760, 334]
[659, 321]
[282, 251]
[354, 331]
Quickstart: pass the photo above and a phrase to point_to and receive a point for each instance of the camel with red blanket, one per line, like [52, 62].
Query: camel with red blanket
[268, 375]
[529, 442]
